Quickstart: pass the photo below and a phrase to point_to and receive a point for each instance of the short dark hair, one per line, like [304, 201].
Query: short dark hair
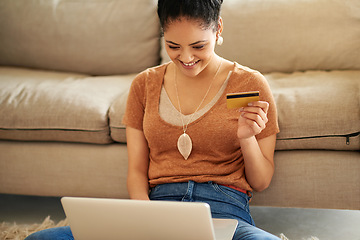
[207, 12]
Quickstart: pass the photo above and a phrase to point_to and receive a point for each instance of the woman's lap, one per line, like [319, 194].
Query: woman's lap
[224, 202]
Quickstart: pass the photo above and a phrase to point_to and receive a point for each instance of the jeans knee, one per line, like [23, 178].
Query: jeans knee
[34, 236]
[250, 232]
[60, 233]
[251, 236]
[268, 237]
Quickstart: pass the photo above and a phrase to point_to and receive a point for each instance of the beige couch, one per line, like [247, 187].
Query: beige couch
[66, 67]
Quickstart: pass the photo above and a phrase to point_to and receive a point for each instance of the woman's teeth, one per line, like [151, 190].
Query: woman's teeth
[190, 64]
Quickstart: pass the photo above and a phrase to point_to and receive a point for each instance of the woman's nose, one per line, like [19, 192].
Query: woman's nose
[186, 56]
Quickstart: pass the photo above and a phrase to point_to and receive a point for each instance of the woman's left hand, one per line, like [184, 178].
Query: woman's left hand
[253, 119]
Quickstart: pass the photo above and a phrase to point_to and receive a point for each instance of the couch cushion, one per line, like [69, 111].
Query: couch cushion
[93, 37]
[288, 36]
[296, 35]
[49, 106]
[116, 114]
[317, 109]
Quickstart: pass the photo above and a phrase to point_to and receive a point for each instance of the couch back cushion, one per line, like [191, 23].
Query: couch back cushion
[294, 35]
[92, 37]
[288, 36]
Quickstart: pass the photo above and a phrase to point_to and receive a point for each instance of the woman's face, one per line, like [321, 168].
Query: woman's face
[189, 45]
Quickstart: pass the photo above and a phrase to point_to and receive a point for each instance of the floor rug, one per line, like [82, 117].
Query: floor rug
[19, 232]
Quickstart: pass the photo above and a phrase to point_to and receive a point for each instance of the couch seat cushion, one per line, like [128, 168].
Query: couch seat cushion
[317, 109]
[49, 106]
[116, 114]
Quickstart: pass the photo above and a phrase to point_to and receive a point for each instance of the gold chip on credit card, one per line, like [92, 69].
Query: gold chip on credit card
[239, 100]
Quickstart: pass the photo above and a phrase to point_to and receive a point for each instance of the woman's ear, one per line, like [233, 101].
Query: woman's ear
[219, 38]
[220, 26]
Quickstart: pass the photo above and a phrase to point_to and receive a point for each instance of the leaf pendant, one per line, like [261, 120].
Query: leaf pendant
[184, 145]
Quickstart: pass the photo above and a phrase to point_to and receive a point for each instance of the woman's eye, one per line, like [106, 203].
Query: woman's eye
[173, 47]
[199, 47]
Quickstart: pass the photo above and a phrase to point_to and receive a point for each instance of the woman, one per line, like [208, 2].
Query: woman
[183, 142]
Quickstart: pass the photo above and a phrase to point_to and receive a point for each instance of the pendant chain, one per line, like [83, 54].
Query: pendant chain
[202, 101]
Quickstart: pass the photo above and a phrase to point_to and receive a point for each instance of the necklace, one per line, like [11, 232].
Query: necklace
[184, 143]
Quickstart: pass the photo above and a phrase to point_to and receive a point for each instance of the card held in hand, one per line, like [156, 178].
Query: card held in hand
[239, 100]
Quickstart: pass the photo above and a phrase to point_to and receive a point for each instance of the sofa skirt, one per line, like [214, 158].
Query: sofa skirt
[303, 178]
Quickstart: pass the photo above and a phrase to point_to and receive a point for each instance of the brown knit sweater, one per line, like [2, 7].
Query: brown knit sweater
[216, 155]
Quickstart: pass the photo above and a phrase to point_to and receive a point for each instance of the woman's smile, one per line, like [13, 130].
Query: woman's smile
[189, 65]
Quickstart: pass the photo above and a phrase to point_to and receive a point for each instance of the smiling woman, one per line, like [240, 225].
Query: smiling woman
[218, 150]
[220, 153]
[206, 153]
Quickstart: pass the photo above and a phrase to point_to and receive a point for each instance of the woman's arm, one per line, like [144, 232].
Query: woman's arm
[138, 164]
[258, 155]
[259, 161]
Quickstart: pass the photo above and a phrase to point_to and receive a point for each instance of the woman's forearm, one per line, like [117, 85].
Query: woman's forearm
[138, 187]
[259, 168]
[138, 164]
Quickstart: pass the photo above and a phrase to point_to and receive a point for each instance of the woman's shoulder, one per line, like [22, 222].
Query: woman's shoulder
[246, 74]
[156, 70]
[241, 70]
[151, 75]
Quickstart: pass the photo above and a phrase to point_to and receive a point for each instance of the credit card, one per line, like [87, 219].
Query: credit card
[239, 100]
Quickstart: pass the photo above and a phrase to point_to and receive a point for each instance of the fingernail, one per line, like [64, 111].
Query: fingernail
[250, 104]
[241, 109]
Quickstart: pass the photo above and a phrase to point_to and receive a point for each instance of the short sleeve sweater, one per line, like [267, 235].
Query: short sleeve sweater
[216, 154]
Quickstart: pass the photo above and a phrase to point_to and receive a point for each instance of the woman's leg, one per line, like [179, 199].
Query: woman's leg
[59, 233]
[226, 202]
[250, 232]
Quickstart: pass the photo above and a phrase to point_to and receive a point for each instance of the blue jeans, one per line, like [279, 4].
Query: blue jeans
[224, 202]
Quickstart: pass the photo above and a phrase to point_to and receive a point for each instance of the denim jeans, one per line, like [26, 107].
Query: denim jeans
[224, 202]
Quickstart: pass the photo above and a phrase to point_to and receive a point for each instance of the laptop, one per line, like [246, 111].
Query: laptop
[110, 219]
